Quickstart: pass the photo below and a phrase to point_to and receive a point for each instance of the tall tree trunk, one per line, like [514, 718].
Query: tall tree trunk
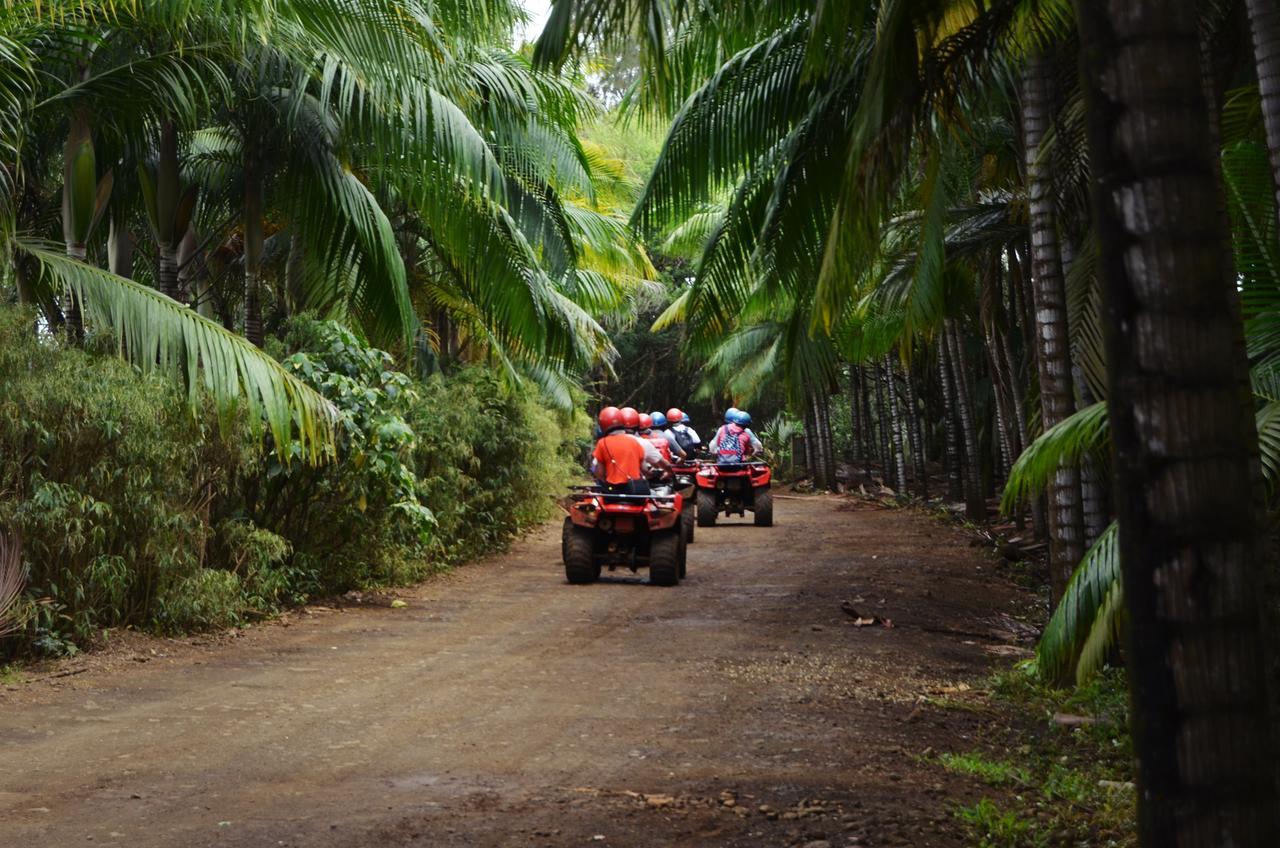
[819, 461]
[896, 429]
[1053, 354]
[975, 507]
[294, 280]
[855, 415]
[253, 240]
[193, 274]
[168, 190]
[828, 442]
[1188, 488]
[810, 439]
[882, 421]
[1093, 488]
[820, 479]
[1002, 386]
[955, 479]
[1264, 23]
[914, 436]
[868, 425]
[74, 226]
[22, 278]
[119, 249]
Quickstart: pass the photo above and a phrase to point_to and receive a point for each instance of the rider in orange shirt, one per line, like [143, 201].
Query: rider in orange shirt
[618, 456]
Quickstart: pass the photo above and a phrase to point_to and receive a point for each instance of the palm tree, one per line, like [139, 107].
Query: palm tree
[1191, 536]
[1057, 397]
[150, 328]
[1264, 23]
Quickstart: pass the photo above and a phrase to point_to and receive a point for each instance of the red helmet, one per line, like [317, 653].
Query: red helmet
[674, 416]
[610, 418]
[646, 421]
[630, 418]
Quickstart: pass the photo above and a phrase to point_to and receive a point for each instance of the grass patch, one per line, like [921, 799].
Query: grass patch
[10, 675]
[1072, 780]
[994, 827]
[991, 772]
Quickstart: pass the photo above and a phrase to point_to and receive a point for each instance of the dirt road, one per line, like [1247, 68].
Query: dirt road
[503, 707]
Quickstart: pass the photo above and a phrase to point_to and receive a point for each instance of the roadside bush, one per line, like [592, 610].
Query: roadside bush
[109, 479]
[135, 512]
[490, 460]
[360, 519]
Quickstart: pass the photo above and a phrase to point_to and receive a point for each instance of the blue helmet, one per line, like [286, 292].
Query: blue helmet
[742, 419]
[659, 420]
[731, 415]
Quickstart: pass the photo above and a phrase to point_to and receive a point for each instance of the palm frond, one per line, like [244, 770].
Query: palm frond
[1084, 432]
[155, 332]
[1076, 621]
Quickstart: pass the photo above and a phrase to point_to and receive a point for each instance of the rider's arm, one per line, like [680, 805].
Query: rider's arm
[692, 434]
[756, 446]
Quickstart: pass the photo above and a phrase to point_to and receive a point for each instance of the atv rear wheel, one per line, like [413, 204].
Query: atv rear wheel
[707, 508]
[664, 558]
[580, 564]
[763, 507]
[684, 557]
[688, 521]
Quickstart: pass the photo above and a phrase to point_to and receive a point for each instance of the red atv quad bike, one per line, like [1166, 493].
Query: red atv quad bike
[684, 481]
[634, 531]
[734, 488]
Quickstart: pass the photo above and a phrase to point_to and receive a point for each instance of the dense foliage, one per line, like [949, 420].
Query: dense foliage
[135, 513]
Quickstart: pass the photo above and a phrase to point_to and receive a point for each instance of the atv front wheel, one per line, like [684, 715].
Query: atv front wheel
[684, 557]
[688, 522]
[664, 558]
[580, 564]
[763, 508]
[707, 508]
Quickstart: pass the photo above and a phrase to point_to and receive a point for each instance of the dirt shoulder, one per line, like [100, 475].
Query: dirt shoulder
[504, 707]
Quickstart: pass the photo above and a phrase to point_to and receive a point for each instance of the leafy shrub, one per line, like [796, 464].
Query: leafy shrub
[135, 512]
[361, 518]
[489, 459]
[107, 477]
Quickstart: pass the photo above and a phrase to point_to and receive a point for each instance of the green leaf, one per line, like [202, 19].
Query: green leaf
[155, 332]
[1076, 622]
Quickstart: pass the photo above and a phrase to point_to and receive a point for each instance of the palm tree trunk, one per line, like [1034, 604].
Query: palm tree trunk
[828, 442]
[868, 424]
[975, 507]
[810, 437]
[193, 274]
[295, 296]
[1264, 22]
[253, 240]
[882, 422]
[819, 445]
[1189, 494]
[914, 436]
[79, 136]
[1053, 355]
[1093, 488]
[855, 415]
[22, 279]
[819, 467]
[119, 249]
[896, 428]
[955, 480]
[167, 191]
